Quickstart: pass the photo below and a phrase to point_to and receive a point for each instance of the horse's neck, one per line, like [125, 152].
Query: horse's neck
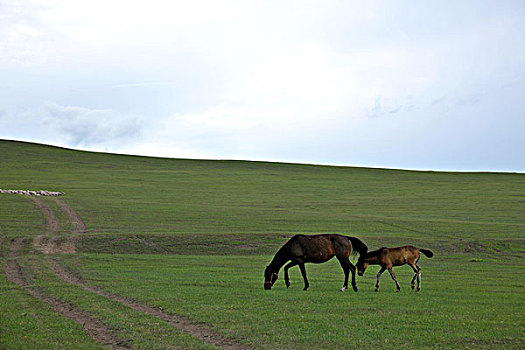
[373, 260]
[279, 259]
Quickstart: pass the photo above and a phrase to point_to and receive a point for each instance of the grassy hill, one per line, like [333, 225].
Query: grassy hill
[192, 237]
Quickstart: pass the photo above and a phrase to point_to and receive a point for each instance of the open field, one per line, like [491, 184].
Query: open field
[155, 253]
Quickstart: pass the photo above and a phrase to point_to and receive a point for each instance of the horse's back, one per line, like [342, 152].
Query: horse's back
[316, 248]
[406, 249]
[399, 255]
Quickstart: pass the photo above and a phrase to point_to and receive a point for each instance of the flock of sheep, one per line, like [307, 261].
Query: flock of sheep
[33, 193]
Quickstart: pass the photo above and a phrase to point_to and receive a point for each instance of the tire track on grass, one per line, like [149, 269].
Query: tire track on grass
[78, 226]
[50, 242]
[93, 327]
[180, 322]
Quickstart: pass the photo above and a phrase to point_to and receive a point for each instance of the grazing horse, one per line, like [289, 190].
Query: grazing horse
[301, 249]
[390, 257]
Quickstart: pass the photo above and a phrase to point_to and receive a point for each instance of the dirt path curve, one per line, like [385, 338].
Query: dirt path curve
[181, 323]
[78, 226]
[50, 242]
[94, 328]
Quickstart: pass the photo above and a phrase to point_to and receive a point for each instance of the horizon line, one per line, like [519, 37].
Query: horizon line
[498, 171]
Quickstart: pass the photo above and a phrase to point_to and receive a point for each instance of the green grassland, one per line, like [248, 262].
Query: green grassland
[192, 237]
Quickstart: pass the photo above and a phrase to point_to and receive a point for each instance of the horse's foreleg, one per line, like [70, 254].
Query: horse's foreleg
[379, 276]
[391, 270]
[286, 277]
[352, 269]
[303, 272]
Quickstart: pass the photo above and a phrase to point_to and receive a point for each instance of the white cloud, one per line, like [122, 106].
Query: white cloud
[322, 81]
[84, 127]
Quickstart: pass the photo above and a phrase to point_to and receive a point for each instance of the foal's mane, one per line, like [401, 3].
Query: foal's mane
[376, 252]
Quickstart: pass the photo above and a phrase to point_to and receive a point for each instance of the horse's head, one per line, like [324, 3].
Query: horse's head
[361, 265]
[269, 278]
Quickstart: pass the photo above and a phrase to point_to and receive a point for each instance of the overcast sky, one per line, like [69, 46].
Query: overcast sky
[400, 84]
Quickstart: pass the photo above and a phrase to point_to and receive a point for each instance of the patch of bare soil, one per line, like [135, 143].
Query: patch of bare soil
[94, 328]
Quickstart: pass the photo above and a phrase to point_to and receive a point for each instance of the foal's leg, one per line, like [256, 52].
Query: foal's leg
[303, 272]
[379, 276]
[286, 277]
[417, 274]
[391, 270]
[418, 279]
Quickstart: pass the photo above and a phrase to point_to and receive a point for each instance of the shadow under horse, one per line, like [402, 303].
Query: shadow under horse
[301, 249]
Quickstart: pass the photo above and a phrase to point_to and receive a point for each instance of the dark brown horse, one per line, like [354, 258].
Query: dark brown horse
[387, 258]
[301, 249]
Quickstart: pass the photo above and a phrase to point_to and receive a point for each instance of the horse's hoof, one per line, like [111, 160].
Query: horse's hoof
[343, 289]
[288, 284]
[354, 288]
[398, 290]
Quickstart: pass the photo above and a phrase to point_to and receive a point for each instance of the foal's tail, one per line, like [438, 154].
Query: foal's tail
[427, 252]
[358, 246]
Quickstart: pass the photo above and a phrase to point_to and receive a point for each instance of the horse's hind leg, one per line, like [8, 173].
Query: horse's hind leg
[417, 274]
[344, 264]
[418, 279]
[303, 272]
[352, 269]
[413, 283]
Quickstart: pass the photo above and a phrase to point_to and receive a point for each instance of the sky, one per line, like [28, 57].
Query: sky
[428, 85]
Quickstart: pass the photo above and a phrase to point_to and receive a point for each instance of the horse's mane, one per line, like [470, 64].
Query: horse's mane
[358, 246]
[282, 254]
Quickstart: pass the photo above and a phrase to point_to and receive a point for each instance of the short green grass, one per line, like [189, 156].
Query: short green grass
[134, 328]
[461, 304]
[26, 322]
[193, 237]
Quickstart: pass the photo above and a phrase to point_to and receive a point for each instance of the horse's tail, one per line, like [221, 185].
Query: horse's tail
[427, 252]
[358, 246]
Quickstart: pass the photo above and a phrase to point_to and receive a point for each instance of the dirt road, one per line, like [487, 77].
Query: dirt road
[50, 243]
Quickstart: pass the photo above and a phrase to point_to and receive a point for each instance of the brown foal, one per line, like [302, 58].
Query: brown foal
[387, 258]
